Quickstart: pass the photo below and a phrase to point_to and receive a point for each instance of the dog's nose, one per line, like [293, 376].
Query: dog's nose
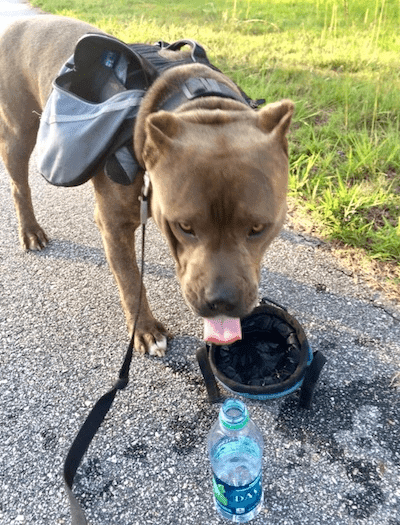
[220, 307]
[221, 299]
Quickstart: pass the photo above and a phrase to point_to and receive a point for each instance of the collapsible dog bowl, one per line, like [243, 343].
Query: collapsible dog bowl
[273, 359]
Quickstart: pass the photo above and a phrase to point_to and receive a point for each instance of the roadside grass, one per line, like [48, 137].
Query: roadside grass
[338, 61]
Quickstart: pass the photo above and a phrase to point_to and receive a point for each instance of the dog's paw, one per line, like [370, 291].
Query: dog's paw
[33, 238]
[152, 341]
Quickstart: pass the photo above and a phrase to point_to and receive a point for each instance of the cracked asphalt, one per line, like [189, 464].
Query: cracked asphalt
[62, 340]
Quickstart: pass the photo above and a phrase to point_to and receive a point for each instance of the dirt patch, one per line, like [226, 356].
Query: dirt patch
[379, 275]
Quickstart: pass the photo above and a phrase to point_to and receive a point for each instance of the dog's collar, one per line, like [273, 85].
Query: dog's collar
[198, 87]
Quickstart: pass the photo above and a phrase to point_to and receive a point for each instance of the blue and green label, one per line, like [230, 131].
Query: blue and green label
[237, 500]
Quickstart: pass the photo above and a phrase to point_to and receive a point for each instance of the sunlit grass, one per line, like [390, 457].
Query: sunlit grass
[339, 62]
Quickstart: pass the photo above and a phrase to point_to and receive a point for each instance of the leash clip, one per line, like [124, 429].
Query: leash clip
[144, 197]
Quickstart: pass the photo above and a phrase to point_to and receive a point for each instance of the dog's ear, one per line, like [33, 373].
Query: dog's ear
[276, 117]
[160, 130]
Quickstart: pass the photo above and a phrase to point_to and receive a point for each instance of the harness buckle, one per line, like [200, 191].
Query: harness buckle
[144, 197]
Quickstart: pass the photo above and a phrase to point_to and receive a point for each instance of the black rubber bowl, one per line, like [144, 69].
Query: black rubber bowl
[273, 358]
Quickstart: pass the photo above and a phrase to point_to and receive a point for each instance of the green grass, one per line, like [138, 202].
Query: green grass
[339, 62]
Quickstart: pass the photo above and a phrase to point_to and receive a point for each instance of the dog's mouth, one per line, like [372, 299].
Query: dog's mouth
[222, 330]
[222, 318]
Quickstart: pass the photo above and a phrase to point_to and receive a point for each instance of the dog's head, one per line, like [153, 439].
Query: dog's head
[219, 181]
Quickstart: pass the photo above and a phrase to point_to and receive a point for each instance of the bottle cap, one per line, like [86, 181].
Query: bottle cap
[234, 414]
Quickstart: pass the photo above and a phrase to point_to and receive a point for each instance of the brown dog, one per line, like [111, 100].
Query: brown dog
[218, 173]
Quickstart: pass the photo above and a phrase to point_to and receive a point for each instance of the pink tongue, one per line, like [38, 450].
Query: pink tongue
[222, 330]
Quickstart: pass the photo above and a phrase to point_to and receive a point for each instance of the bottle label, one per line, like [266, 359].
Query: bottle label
[237, 500]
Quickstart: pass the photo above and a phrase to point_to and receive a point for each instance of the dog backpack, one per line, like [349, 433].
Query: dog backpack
[87, 123]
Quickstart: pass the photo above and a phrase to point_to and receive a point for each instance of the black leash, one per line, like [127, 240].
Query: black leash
[99, 411]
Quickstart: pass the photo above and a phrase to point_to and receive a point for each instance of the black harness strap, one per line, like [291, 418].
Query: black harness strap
[200, 87]
[151, 53]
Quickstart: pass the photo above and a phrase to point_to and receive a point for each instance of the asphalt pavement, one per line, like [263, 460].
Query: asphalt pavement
[12, 9]
[62, 340]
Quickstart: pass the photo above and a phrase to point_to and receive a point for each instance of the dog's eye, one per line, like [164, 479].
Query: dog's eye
[256, 230]
[186, 228]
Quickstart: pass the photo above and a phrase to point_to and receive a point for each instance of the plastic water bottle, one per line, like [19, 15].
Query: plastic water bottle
[106, 82]
[235, 447]
[109, 58]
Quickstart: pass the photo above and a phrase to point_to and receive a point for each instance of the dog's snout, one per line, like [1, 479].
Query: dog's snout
[221, 299]
[220, 306]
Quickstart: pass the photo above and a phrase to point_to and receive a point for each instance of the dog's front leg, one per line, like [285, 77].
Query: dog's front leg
[117, 216]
